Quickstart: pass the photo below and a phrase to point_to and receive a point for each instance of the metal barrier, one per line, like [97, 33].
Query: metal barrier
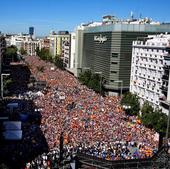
[160, 160]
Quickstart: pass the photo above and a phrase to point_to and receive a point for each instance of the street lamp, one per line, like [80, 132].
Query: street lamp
[126, 108]
[121, 85]
[2, 84]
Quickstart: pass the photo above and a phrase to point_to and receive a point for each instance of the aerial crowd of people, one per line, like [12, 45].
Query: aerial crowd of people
[90, 123]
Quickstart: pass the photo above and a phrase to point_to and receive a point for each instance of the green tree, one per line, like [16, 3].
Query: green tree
[92, 81]
[7, 82]
[85, 77]
[160, 123]
[154, 118]
[10, 54]
[59, 62]
[40, 68]
[146, 108]
[37, 50]
[44, 54]
[23, 51]
[132, 101]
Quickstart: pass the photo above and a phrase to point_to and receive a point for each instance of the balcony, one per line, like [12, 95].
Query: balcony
[165, 77]
[164, 88]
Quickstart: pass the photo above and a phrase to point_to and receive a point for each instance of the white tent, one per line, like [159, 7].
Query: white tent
[12, 135]
[39, 93]
[12, 125]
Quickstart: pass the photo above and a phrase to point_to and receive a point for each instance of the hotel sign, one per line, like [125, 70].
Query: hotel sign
[100, 38]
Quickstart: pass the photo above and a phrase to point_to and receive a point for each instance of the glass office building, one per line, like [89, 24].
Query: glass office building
[108, 49]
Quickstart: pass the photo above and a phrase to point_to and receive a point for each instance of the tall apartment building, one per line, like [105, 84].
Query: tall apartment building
[30, 46]
[66, 54]
[53, 43]
[23, 41]
[106, 47]
[60, 45]
[72, 50]
[31, 31]
[149, 78]
[45, 43]
[62, 38]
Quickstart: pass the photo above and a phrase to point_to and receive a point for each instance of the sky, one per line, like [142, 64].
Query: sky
[45, 15]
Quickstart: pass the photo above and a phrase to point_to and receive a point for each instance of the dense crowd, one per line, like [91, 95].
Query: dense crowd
[91, 123]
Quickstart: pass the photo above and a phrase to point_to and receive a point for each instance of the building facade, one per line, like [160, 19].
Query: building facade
[53, 44]
[31, 31]
[63, 37]
[24, 41]
[149, 78]
[2, 50]
[72, 50]
[45, 43]
[66, 54]
[107, 48]
[30, 46]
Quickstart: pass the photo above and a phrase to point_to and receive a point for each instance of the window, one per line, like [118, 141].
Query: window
[114, 55]
[113, 72]
[114, 63]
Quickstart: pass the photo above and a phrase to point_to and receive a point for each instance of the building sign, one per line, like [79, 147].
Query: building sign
[100, 38]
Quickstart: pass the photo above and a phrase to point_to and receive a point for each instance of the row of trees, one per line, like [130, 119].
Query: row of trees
[10, 55]
[44, 54]
[92, 81]
[150, 117]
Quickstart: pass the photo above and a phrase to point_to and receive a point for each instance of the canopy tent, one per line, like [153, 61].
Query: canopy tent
[12, 125]
[12, 135]
[12, 105]
[39, 93]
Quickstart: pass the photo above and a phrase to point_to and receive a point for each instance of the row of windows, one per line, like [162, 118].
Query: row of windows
[114, 63]
[150, 50]
[115, 55]
[113, 72]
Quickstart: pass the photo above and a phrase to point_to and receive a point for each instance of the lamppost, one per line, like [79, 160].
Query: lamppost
[2, 84]
[121, 85]
[126, 107]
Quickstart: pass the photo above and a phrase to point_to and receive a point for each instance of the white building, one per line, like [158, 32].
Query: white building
[72, 55]
[53, 44]
[25, 41]
[30, 46]
[147, 68]
[66, 54]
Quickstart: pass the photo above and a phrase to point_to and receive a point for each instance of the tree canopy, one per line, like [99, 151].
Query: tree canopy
[154, 118]
[44, 54]
[132, 101]
[92, 81]
[10, 54]
[59, 62]
[23, 51]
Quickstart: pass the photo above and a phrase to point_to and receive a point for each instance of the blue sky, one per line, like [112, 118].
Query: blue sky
[45, 15]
